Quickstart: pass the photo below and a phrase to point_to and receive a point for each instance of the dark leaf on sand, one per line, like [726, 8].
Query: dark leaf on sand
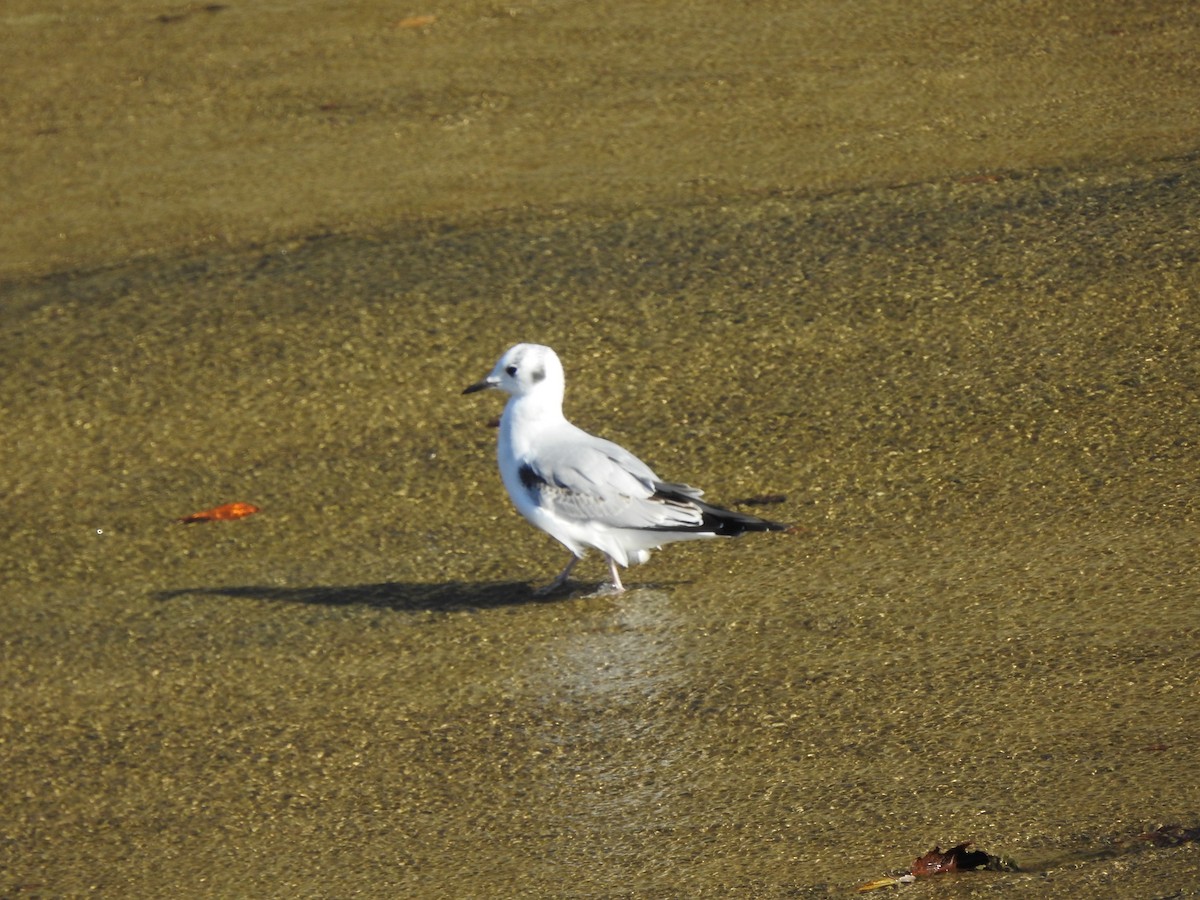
[956, 859]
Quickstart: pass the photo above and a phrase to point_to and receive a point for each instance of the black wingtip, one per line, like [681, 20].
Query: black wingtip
[728, 523]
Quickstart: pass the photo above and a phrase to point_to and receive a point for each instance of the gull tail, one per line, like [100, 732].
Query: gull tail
[714, 519]
[728, 523]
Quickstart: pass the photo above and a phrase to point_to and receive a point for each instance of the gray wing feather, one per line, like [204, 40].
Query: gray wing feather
[599, 481]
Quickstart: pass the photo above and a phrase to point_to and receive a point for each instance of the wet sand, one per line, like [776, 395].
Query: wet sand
[967, 359]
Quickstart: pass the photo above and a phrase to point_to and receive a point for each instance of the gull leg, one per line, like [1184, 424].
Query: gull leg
[616, 576]
[560, 580]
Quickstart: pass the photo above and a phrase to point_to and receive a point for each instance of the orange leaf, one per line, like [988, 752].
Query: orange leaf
[221, 513]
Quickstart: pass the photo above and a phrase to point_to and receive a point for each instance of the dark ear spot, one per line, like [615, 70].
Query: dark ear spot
[538, 374]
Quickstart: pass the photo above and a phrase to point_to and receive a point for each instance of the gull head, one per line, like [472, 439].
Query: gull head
[524, 369]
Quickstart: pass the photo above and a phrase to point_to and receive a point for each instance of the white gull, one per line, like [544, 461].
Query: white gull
[585, 491]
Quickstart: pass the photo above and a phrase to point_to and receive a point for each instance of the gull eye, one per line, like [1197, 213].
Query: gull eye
[512, 371]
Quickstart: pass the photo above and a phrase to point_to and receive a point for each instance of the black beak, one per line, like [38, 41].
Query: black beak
[478, 386]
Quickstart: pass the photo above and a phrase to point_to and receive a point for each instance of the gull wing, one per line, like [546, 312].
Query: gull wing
[598, 482]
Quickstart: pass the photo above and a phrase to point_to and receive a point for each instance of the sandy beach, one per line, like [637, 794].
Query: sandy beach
[928, 272]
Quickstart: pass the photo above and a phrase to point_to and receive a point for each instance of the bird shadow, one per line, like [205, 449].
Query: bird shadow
[394, 595]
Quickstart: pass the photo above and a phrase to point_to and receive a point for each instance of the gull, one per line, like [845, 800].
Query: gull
[585, 491]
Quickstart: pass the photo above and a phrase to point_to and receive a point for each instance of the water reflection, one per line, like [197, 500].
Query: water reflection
[610, 692]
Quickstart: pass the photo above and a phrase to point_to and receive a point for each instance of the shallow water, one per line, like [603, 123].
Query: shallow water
[985, 626]
[134, 129]
[978, 395]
